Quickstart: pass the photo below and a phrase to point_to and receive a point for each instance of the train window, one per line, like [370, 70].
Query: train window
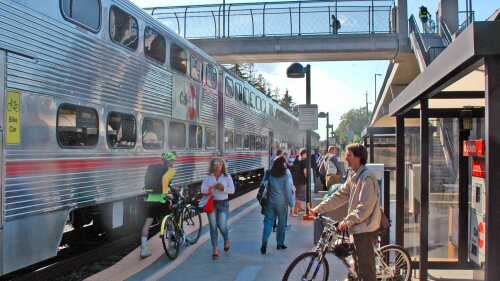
[77, 126]
[176, 135]
[211, 76]
[238, 141]
[229, 87]
[246, 142]
[258, 104]
[86, 13]
[228, 139]
[264, 143]
[238, 92]
[263, 105]
[252, 100]
[152, 133]
[154, 45]
[210, 138]
[258, 143]
[246, 99]
[121, 130]
[252, 141]
[123, 28]
[195, 137]
[196, 66]
[178, 58]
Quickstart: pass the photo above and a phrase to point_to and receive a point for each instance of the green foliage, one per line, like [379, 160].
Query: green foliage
[351, 125]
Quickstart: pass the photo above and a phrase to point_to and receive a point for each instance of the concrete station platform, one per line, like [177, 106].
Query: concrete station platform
[243, 262]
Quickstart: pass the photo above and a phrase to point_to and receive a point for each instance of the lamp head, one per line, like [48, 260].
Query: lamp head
[295, 70]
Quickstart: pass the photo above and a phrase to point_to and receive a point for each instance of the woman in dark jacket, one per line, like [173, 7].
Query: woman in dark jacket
[279, 196]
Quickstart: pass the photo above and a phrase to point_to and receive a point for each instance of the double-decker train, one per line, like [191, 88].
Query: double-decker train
[92, 91]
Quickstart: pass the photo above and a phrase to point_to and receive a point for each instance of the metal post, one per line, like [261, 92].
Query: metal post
[424, 188]
[372, 149]
[223, 18]
[463, 194]
[308, 141]
[387, 203]
[400, 178]
[492, 128]
[327, 125]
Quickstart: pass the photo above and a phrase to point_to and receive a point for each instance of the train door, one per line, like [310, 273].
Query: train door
[3, 63]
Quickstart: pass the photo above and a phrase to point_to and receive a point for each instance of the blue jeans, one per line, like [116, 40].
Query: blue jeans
[218, 219]
[271, 212]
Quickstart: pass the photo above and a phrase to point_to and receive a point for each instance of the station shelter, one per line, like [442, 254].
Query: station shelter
[438, 133]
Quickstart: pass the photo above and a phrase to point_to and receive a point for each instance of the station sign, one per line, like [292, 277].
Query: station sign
[474, 148]
[308, 117]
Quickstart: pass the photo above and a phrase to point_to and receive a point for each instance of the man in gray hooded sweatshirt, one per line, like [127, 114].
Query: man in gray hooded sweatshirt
[361, 193]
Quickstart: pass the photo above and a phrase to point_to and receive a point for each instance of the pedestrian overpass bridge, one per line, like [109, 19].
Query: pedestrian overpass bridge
[316, 30]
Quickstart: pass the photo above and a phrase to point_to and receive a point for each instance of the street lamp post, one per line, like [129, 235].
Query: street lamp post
[375, 91]
[327, 116]
[296, 70]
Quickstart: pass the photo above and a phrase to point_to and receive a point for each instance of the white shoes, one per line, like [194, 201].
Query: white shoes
[145, 249]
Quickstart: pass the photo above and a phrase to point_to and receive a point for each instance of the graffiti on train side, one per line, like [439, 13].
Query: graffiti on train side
[187, 96]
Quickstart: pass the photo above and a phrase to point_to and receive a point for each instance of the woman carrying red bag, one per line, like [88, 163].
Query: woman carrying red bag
[218, 185]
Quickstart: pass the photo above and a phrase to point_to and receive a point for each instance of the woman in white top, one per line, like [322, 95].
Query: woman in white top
[219, 184]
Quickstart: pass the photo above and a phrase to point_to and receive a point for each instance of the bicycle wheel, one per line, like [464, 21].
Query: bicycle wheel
[169, 237]
[396, 265]
[307, 267]
[191, 224]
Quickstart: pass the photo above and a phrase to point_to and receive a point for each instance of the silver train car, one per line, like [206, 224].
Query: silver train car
[92, 92]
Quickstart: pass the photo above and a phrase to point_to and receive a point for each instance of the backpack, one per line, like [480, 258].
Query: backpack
[153, 177]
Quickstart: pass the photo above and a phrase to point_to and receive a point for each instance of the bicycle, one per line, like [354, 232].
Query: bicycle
[392, 261]
[181, 226]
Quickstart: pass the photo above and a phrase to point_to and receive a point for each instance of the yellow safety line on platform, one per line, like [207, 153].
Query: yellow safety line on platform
[132, 263]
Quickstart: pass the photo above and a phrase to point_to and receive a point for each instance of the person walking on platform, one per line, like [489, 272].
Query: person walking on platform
[219, 184]
[361, 193]
[332, 167]
[299, 180]
[157, 185]
[279, 197]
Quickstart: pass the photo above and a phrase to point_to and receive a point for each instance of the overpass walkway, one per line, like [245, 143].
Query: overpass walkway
[291, 30]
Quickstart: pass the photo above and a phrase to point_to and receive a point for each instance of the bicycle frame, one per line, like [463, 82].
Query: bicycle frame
[326, 244]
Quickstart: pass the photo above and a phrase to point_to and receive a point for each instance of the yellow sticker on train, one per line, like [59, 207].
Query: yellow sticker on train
[13, 118]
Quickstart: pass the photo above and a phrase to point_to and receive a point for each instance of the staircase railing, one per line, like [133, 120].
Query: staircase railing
[449, 149]
[415, 31]
[445, 30]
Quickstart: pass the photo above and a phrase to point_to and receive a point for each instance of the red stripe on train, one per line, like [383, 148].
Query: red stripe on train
[31, 167]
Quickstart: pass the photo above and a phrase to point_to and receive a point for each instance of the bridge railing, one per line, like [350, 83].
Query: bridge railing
[291, 18]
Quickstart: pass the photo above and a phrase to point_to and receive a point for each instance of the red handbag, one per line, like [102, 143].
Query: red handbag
[209, 206]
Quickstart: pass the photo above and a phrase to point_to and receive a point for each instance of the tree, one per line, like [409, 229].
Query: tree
[351, 125]
[287, 102]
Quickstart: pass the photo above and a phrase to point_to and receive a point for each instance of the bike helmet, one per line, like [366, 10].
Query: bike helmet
[343, 249]
[169, 156]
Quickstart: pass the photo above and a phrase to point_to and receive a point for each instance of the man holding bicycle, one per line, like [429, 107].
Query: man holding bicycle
[157, 185]
[361, 193]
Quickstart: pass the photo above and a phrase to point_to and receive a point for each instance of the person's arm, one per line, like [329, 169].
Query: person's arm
[166, 179]
[337, 200]
[229, 185]
[367, 201]
[289, 189]
[205, 188]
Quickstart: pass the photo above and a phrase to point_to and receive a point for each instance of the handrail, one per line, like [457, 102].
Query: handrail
[418, 36]
[263, 19]
[446, 32]
[448, 149]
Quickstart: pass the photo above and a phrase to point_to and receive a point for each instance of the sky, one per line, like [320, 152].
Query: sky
[337, 86]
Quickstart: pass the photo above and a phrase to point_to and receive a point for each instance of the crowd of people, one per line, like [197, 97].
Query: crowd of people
[282, 192]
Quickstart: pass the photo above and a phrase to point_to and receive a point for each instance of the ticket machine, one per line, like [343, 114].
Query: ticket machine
[475, 149]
